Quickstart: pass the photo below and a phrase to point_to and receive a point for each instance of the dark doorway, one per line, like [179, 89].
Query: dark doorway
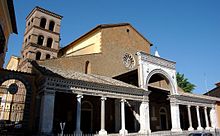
[163, 121]
[86, 121]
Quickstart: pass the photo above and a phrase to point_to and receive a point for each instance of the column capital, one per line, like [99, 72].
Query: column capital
[188, 106]
[79, 96]
[197, 107]
[205, 108]
[103, 98]
[48, 92]
[123, 100]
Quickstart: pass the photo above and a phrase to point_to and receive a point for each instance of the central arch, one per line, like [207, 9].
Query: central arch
[161, 86]
[164, 75]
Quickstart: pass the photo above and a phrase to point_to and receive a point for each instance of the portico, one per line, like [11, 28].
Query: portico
[86, 96]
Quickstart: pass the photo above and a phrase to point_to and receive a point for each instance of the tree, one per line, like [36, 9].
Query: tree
[184, 84]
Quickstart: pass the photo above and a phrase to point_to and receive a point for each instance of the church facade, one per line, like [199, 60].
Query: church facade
[105, 82]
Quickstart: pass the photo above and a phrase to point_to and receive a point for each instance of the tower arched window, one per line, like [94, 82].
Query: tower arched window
[88, 67]
[51, 25]
[26, 41]
[38, 55]
[40, 40]
[49, 42]
[43, 22]
[48, 56]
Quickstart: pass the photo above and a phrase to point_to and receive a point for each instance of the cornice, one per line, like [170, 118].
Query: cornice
[157, 60]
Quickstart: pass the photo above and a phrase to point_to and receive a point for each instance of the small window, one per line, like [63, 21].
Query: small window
[25, 41]
[43, 22]
[38, 55]
[49, 42]
[40, 40]
[48, 56]
[32, 20]
[28, 23]
[88, 67]
[51, 25]
[29, 37]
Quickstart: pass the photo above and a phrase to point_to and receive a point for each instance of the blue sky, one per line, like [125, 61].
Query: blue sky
[185, 31]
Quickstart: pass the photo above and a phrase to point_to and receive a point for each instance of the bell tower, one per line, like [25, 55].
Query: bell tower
[42, 35]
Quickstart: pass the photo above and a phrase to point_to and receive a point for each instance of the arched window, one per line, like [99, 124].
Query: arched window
[51, 25]
[40, 40]
[38, 55]
[47, 56]
[88, 67]
[49, 42]
[26, 41]
[43, 22]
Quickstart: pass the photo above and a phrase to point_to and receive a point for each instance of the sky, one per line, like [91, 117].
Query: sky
[184, 31]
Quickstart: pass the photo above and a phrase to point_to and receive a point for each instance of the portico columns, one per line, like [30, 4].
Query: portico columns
[206, 119]
[46, 112]
[213, 117]
[78, 115]
[175, 115]
[103, 131]
[198, 119]
[190, 118]
[144, 117]
[123, 131]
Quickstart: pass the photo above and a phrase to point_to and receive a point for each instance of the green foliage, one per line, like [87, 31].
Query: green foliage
[183, 83]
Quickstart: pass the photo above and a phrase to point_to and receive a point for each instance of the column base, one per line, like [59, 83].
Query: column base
[190, 129]
[78, 133]
[176, 130]
[123, 132]
[200, 128]
[102, 132]
[145, 131]
[208, 128]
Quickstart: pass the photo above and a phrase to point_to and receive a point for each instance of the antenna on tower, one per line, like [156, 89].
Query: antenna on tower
[206, 88]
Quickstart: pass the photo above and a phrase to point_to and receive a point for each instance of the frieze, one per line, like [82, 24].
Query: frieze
[193, 101]
[70, 86]
[157, 60]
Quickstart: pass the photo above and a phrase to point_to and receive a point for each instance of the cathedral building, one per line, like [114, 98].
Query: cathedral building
[105, 82]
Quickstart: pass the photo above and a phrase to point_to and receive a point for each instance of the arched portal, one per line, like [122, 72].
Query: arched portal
[24, 82]
[161, 86]
[87, 117]
[12, 103]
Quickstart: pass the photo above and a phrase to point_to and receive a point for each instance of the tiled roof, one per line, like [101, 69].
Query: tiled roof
[199, 96]
[106, 83]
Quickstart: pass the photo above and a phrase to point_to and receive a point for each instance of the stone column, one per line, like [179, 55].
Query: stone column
[46, 112]
[213, 117]
[117, 115]
[144, 118]
[123, 131]
[78, 115]
[103, 131]
[206, 119]
[190, 118]
[198, 119]
[175, 115]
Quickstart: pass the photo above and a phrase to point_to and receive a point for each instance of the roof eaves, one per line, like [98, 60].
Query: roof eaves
[12, 15]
